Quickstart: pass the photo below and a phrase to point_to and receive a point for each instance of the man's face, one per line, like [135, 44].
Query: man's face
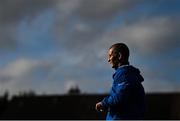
[113, 58]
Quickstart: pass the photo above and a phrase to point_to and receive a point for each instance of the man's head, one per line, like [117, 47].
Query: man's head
[118, 55]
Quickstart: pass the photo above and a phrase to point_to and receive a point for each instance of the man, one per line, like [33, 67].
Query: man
[126, 98]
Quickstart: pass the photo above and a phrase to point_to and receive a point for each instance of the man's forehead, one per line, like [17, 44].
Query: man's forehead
[110, 50]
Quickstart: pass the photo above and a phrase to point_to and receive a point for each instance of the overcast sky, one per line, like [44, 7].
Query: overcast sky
[49, 46]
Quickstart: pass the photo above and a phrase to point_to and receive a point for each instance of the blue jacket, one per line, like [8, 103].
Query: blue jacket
[126, 99]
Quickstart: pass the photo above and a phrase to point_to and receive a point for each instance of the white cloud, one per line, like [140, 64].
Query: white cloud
[23, 74]
[150, 36]
[19, 68]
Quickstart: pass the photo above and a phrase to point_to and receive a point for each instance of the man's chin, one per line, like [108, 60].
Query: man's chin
[114, 66]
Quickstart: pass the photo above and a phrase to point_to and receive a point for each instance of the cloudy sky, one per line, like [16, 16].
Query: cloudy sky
[51, 45]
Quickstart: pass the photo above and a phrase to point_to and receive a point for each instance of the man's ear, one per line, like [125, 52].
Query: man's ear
[120, 56]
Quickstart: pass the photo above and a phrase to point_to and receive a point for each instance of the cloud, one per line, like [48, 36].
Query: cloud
[93, 10]
[13, 11]
[24, 74]
[150, 36]
[82, 23]
[16, 69]
[72, 38]
[7, 37]
[11, 74]
[70, 29]
[103, 9]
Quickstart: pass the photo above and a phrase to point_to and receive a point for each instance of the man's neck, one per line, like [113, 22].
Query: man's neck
[121, 65]
[124, 64]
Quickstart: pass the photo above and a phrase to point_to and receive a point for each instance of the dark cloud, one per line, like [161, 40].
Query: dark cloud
[7, 38]
[12, 11]
[77, 21]
[82, 23]
[103, 9]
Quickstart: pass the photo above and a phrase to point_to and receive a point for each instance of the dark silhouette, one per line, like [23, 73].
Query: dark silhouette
[77, 107]
[74, 90]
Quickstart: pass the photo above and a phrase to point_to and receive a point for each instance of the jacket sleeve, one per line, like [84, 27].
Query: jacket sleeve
[118, 95]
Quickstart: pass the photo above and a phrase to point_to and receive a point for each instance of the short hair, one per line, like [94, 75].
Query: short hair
[123, 49]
